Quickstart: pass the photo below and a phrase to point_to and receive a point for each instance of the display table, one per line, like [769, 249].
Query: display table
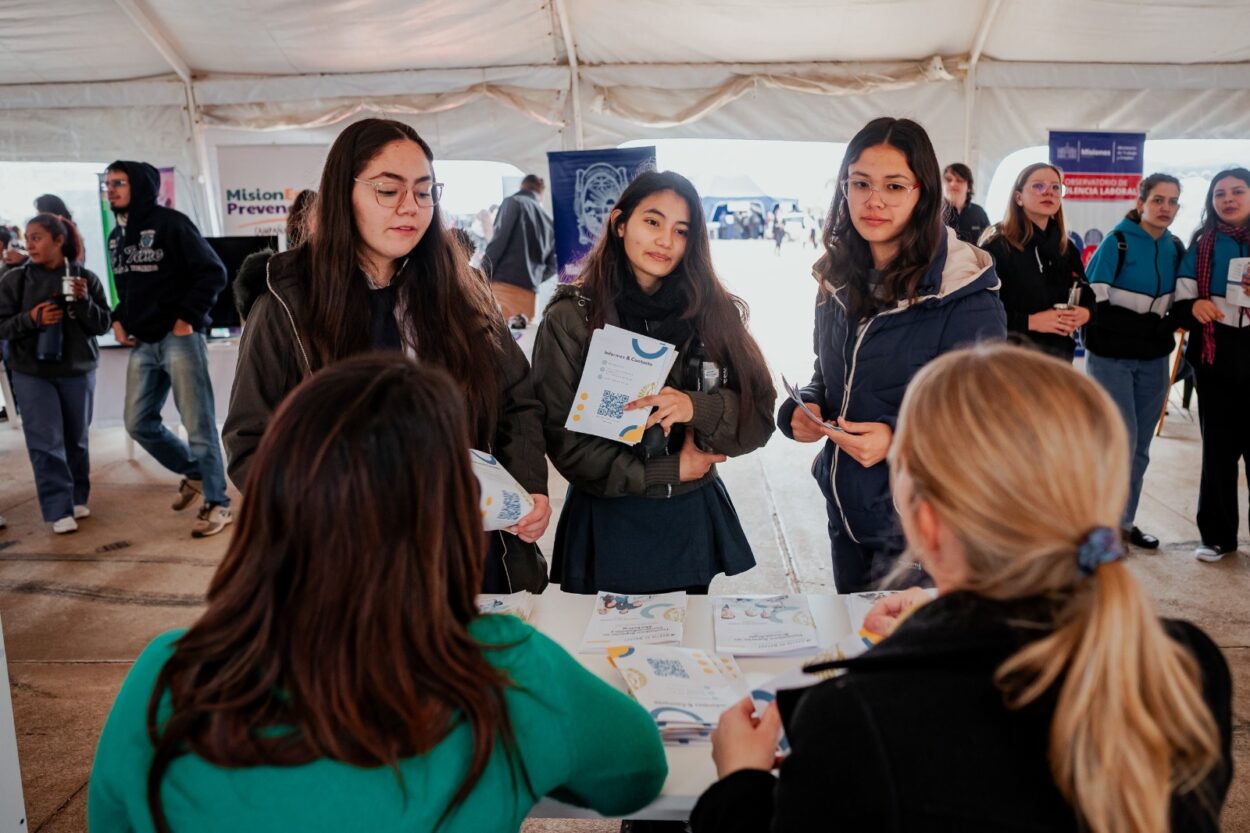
[563, 617]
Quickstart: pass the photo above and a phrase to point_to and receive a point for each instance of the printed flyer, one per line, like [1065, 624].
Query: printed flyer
[625, 619]
[620, 367]
[763, 625]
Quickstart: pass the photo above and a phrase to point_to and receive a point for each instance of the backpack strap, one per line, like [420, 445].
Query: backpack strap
[1180, 249]
[1121, 247]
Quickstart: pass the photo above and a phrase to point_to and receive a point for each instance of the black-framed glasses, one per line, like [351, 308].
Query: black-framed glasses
[391, 193]
[892, 193]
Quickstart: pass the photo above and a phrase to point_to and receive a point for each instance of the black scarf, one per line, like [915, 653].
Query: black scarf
[658, 315]
[1048, 240]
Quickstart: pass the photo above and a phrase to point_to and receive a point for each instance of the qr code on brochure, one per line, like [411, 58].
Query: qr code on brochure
[670, 668]
[612, 405]
[511, 510]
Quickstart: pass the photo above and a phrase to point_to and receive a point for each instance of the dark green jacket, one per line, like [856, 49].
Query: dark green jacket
[604, 468]
[275, 356]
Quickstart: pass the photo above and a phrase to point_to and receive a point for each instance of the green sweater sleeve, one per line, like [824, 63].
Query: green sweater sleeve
[616, 763]
[124, 749]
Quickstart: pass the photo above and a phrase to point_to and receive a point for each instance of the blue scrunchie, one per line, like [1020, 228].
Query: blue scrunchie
[1101, 546]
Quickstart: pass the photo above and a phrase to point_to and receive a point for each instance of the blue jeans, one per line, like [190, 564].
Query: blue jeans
[56, 413]
[180, 363]
[1139, 388]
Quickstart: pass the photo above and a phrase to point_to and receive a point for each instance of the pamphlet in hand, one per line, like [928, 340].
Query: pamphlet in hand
[631, 619]
[520, 604]
[685, 690]
[763, 625]
[1238, 270]
[857, 607]
[798, 399]
[503, 501]
[621, 366]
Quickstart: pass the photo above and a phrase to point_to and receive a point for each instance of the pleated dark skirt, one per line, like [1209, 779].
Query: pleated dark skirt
[644, 545]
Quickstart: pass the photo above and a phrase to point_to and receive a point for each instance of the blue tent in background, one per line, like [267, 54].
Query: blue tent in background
[735, 206]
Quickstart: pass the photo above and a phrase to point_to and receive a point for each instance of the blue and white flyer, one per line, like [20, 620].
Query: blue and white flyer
[763, 625]
[632, 619]
[621, 366]
[503, 501]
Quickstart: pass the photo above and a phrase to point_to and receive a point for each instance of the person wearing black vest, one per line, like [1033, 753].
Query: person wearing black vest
[968, 219]
[1039, 691]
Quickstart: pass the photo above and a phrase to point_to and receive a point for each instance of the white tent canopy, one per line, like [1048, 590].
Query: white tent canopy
[170, 80]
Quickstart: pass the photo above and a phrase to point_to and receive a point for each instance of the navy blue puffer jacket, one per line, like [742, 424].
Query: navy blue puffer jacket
[862, 372]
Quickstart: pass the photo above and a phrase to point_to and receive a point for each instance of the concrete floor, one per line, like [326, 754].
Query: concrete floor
[77, 609]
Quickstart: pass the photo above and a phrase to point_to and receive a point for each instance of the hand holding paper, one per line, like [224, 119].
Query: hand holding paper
[503, 501]
[621, 368]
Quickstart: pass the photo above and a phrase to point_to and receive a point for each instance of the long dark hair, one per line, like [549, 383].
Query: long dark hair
[718, 316]
[64, 227]
[848, 256]
[1143, 192]
[448, 313]
[1016, 228]
[1209, 215]
[346, 641]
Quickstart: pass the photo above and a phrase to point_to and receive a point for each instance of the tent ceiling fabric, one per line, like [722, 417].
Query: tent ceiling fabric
[491, 78]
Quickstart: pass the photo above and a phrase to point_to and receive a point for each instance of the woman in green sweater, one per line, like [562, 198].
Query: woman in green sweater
[341, 677]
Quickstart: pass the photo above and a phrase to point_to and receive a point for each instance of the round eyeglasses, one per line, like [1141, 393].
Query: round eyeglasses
[892, 194]
[391, 193]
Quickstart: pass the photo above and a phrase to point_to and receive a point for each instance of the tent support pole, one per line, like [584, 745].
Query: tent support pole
[155, 35]
[988, 15]
[570, 49]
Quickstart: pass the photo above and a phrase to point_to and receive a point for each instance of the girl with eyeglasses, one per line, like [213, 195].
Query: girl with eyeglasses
[1214, 275]
[341, 677]
[1045, 292]
[897, 289]
[655, 516]
[1131, 336]
[382, 273]
[1039, 691]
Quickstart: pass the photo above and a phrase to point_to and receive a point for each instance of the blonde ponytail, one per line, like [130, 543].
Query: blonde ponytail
[1130, 725]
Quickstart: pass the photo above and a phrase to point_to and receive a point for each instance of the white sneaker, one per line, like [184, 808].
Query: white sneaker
[211, 520]
[1210, 554]
[64, 525]
[81, 511]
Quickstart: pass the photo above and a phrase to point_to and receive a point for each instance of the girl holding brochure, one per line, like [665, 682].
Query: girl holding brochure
[897, 289]
[1213, 275]
[1039, 690]
[341, 677]
[655, 516]
[382, 273]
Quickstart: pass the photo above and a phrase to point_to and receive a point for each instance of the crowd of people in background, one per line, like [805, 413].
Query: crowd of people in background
[341, 659]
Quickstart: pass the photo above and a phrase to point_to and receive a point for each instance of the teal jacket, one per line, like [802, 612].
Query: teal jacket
[581, 741]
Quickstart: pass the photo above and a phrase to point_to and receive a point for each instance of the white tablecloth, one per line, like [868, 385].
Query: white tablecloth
[563, 617]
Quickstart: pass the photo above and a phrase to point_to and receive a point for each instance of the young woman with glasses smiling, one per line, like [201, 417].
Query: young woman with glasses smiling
[897, 288]
[1038, 265]
[1133, 275]
[382, 273]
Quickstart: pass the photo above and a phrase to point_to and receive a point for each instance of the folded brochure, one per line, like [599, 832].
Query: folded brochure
[621, 366]
[503, 501]
[757, 625]
[633, 619]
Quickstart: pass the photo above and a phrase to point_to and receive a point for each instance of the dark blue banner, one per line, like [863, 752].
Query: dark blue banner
[1097, 153]
[585, 185]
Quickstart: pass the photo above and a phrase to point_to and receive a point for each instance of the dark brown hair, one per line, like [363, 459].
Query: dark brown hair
[1211, 217]
[849, 257]
[718, 316]
[64, 227]
[336, 636]
[449, 316]
[302, 208]
[962, 171]
[1016, 228]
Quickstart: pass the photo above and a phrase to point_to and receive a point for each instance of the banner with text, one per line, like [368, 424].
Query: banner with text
[585, 185]
[259, 183]
[1101, 172]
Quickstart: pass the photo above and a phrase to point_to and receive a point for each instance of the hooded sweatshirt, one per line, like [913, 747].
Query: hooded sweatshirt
[1131, 317]
[163, 268]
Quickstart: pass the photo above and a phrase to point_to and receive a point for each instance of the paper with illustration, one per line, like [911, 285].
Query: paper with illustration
[763, 625]
[621, 366]
[519, 604]
[685, 690]
[632, 619]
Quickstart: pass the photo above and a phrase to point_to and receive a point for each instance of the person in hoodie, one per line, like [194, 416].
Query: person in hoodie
[57, 387]
[381, 273]
[167, 281]
[1213, 275]
[1039, 265]
[1129, 339]
[897, 289]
